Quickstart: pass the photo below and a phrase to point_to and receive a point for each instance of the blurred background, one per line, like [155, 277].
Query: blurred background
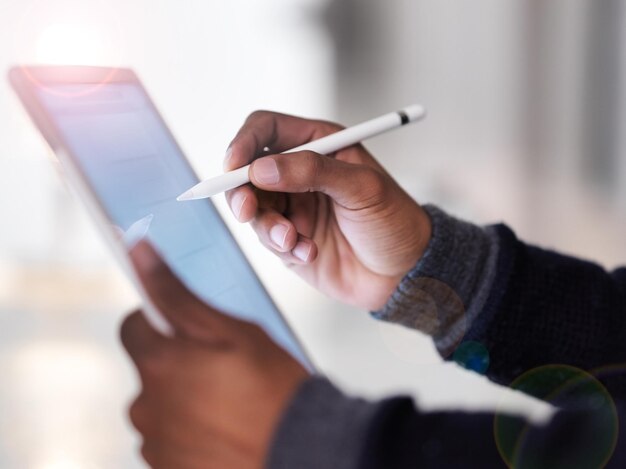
[527, 125]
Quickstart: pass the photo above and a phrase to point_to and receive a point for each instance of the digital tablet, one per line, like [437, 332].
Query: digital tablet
[119, 155]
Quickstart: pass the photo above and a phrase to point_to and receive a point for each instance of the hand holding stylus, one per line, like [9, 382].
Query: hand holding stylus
[324, 146]
[340, 221]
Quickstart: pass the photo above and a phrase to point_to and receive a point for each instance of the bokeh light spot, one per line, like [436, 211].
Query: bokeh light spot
[472, 356]
[591, 444]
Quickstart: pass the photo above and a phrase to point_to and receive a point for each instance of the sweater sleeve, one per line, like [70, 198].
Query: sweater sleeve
[546, 308]
[324, 429]
[497, 305]
[523, 310]
[447, 289]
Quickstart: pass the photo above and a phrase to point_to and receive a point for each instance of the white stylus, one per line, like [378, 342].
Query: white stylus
[324, 146]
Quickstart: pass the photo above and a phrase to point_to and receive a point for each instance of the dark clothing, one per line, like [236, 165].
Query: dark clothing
[543, 323]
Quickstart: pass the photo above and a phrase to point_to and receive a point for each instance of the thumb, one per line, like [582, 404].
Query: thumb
[354, 186]
[188, 315]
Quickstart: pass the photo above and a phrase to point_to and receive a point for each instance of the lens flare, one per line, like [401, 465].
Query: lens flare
[67, 43]
[472, 356]
[436, 310]
[591, 445]
[72, 32]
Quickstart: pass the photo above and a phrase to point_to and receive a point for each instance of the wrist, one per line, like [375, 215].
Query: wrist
[445, 290]
[425, 233]
[408, 241]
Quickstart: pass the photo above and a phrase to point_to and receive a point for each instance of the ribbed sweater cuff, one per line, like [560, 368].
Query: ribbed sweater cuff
[446, 290]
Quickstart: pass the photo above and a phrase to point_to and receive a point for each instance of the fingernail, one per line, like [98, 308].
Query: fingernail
[143, 256]
[266, 171]
[278, 235]
[227, 155]
[137, 231]
[302, 251]
[237, 203]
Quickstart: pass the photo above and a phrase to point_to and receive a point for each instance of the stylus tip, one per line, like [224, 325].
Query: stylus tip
[189, 195]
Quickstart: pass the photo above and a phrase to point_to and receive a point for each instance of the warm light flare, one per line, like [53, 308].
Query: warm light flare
[67, 43]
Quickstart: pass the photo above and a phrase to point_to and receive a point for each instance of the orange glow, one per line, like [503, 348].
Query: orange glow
[66, 43]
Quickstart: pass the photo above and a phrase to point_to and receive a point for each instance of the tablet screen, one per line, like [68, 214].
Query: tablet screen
[136, 170]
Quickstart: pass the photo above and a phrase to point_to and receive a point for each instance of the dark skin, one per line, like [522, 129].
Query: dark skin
[213, 395]
[350, 230]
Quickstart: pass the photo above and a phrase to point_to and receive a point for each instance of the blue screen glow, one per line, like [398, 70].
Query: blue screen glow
[136, 170]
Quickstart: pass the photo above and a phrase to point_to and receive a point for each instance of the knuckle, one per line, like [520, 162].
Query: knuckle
[139, 415]
[126, 329]
[328, 127]
[257, 115]
[264, 239]
[375, 180]
[313, 165]
[261, 223]
[259, 130]
[149, 455]
[129, 330]
[374, 185]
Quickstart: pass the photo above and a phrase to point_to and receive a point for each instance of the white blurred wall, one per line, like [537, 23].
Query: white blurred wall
[527, 104]
[207, 64]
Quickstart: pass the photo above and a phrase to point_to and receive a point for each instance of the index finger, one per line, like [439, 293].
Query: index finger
[278, 132]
